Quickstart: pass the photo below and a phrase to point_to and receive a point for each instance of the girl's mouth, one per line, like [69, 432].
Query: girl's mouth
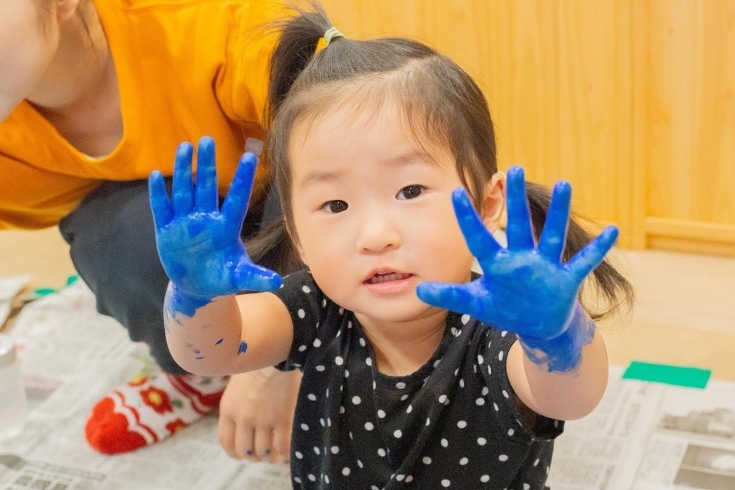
[381, 277]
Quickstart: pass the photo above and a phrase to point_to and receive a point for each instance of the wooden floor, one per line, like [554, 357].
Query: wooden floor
[684, 313]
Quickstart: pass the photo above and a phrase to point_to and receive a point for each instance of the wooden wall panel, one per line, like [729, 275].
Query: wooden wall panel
[685, 122]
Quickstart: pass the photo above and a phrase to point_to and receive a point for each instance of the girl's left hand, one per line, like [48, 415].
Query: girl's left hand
[524, 289]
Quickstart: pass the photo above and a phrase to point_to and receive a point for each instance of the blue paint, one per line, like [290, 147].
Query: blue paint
[525, 288]
[199, 358]
[199, 245]
[197, 352]
[243, 347]
[219, 342]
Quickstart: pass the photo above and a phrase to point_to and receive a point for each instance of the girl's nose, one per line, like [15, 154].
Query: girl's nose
[378, 232]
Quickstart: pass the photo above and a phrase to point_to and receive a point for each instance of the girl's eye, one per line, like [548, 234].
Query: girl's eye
[334, 206]
[410, 192]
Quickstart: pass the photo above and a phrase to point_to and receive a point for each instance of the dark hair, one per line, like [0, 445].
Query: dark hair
[441, 103]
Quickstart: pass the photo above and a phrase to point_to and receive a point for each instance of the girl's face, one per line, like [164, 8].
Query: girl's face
[373, 213]
[28, 41]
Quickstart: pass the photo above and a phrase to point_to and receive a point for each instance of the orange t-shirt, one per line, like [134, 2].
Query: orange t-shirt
[185, 69]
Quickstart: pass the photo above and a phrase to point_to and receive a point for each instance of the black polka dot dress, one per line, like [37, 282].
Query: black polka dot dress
[454, 423]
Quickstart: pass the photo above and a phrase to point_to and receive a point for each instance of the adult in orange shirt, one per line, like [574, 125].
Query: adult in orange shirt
[94, 95]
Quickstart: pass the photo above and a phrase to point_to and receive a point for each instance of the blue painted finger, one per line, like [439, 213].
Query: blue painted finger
[206, 188]
[480, 241]
[518, 229]
[182, 196]
[236, 203]
[585, 261]
[553, 237]
[251, 277]
[160, 203]
[464, 298]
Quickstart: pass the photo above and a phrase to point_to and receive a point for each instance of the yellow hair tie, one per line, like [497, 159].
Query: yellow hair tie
[331, 34]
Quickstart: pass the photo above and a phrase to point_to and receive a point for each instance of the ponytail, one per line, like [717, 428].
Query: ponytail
[610, 286]
[273, 248]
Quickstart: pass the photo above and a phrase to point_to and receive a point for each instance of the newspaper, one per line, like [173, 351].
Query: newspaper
[641, 437]
[70, 357]
[647, 436]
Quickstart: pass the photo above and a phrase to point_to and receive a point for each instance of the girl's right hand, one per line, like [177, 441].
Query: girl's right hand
[200, 246]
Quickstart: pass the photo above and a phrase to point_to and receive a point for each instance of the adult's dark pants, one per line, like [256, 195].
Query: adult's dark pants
[113, 248]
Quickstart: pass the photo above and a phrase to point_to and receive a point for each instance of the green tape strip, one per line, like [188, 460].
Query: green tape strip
[690, 377]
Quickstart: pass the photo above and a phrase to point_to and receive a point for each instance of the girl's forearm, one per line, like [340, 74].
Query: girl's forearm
[203, 335]
[567, 379]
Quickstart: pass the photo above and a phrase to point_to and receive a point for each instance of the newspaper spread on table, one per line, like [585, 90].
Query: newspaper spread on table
[642, 436]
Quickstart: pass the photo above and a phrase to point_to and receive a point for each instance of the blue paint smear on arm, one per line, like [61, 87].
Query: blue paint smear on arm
[243, 347]
[219, 342]
[563, 353]
[177, 301]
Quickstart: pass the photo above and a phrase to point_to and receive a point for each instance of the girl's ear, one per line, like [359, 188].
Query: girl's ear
[493, 204]
[65, 9]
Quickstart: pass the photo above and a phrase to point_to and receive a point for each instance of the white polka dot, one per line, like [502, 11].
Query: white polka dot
[311, 477]
[426, 460]
[321, 421]
[335, 449]
[503, 333]
[404, 398]
[369, 426]
[428, 421]
[324, 303]
[369, 361]
[397, 434]
[347, 372]
[327, 392]
[409, 409]
[481, 441]
[480, 359]
[311, 396]
[485, 478]
[341, 311]
[301, 313]
[306, 289]
[485, 391]
[461, 383]
[302, 348]
[445, 443]
[442, 398]
[381, 414]
[381, 452]
[464, 461]
[480, 401]
[295, 478]
[556, 423]
[400, 477]
[301, 456]
[400, 385]
[317, 342]
[338, 361]
[511, 432]
[455, 332]
[329, 422]
[446, 483]
[319, 368]
[350, 433]
[356, 400]
[345, 471]
[461, 424]
[489, 369]
[362, 342]
[359, 463]
[373, 487]
[500, 356]
[503, 457]
[495, 406]
[535, 463]
[456, 371]
[465, 319]
[326, 479]
[436, 363]
[526, 486]
[409, 479]
[505, 394]
[349, 324]
[341, 409]
[304, 427]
